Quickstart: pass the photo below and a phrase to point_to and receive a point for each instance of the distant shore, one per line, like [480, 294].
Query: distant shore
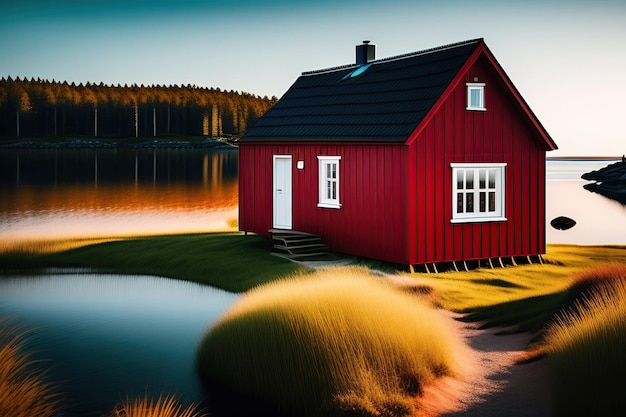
[583, 158]
[97, 143]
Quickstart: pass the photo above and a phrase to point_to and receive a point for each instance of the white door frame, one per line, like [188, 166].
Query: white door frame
[282, 192]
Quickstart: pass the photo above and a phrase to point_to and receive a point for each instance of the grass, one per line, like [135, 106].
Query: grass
[523, 297]
[162, 407]
[231, 261]
[585, 345]
[23, 389]
[336, 342]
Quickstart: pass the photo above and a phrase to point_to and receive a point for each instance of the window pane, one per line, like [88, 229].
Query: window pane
[475, 97]
[482, 202]
[482, 174]
[492, 201]
[328, 190]
[492, 178]
[459, 203]
[469, 202]
[328, 171]
[459, 179]
[333, 171]
[334, 192]
[469, 179]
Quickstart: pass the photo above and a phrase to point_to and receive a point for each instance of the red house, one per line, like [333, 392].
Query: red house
[427, 157]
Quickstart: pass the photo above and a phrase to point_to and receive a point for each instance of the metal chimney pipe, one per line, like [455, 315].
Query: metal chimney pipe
[365, 53]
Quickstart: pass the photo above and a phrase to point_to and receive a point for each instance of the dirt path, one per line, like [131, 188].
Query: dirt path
[491, 383]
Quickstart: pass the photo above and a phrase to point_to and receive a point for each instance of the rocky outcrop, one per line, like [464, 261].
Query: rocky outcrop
[609, 181]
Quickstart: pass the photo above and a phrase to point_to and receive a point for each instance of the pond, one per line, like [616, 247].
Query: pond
[110, 337]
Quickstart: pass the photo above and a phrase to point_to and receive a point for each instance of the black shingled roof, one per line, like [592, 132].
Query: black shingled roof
[383, 104]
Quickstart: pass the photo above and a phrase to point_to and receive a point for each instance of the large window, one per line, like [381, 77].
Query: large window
[476, 96]
[478, 192]
[329, 181]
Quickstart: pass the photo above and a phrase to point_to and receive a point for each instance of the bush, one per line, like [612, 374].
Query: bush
[586, 344]
[335, 342]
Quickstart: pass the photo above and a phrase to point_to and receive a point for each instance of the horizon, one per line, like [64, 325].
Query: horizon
[563, 56]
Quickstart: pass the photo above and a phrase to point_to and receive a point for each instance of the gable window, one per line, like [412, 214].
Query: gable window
[329, 181]
[476, 96]
[478, 192]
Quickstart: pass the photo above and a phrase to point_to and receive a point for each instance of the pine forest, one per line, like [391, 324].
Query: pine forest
[50, 109]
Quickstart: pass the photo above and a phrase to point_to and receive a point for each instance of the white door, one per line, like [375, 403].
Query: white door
[282, 192]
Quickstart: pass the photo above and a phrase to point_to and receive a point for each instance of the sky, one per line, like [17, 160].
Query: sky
[567, 58]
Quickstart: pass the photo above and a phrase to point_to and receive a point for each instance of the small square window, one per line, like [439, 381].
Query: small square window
[476, 96]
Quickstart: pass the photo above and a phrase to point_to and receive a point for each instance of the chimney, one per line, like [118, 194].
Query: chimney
[365, 53]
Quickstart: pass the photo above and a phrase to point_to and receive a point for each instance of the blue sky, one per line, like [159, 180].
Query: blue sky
[566, 57]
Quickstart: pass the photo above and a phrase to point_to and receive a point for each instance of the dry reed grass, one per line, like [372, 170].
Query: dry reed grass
[585, 345]
[23, 389]
[164, 406]
[337, 341]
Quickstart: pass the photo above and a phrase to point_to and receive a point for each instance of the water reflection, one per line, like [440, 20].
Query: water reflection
[599, 220]
[66, 193]
[108, 336]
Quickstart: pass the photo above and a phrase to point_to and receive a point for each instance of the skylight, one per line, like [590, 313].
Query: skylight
[360, 70]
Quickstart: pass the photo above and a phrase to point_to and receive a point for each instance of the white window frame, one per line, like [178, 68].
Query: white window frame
[478, 199]
[480, 88]
[328, 186]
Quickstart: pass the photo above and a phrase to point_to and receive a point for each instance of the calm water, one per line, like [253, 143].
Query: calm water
[599, 220]
[107, 337]
[69, 193]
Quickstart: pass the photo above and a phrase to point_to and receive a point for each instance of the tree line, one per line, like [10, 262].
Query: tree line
[40, 108]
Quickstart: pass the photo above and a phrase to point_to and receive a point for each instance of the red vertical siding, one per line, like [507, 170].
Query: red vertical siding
[372, 219]
[502, 133]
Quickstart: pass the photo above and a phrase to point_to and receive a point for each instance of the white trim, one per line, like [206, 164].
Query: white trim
[471, 192]
[480, 87]
[324, 200]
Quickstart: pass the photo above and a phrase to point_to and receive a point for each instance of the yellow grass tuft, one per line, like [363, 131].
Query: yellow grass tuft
[586, 343]
[339, 340]
[23, 391]
[166, 406]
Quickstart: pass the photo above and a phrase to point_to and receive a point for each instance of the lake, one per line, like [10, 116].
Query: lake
[75, 193]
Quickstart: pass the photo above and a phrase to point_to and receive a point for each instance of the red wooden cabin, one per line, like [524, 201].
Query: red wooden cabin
[422, 158]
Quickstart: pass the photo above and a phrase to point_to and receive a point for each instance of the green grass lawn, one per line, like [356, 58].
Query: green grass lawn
[230, 261]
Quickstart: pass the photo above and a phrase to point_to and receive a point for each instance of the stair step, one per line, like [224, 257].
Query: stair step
[302, 248]
[288, 240]
[295, 244]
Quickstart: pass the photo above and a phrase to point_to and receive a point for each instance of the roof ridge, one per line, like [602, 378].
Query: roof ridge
[397, 57]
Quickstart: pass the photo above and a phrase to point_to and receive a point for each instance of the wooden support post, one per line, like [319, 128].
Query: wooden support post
[455, 267]
[435, 268]
[490, 263]
[411, 269]
[500, 260]
[530, 262]
[513, 260]
[465, 266]
[540, 259]
[427, 270]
